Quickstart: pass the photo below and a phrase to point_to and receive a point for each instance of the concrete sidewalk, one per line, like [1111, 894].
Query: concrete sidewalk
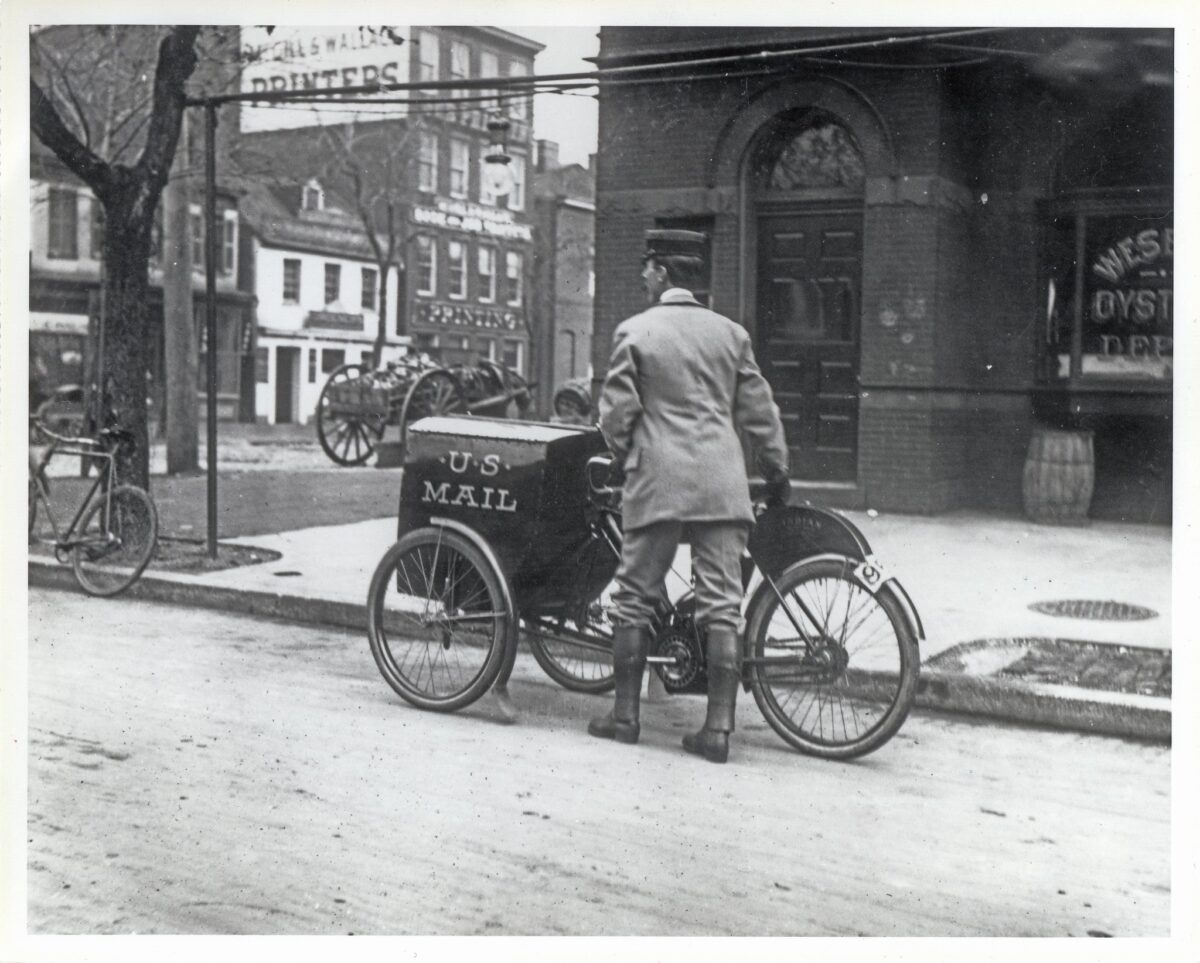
[972, 578]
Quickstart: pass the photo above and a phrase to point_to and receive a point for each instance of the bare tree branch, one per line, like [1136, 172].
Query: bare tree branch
[51, 131]
[176, 61]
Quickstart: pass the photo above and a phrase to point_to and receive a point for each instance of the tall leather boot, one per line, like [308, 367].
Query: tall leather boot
[724, 677]
[630, 646]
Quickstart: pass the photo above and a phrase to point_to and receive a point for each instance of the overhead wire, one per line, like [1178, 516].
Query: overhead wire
[607, 75]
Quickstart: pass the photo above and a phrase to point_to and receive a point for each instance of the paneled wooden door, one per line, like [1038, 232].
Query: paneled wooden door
[809, 278]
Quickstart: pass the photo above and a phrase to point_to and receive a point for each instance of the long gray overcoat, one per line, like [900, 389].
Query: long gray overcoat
[682, 383]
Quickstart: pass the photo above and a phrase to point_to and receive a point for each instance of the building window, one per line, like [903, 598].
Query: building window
[427, 163]
[516, 196]
[460, 167]
[514, 271]
[460, 65]
[312, 366]
[518, 109]
[228, 245]
[486, 348]
[332, 358]
[64, 225]
[262, 365]
[333, 283]
[487, 273]
[426, 266]
[313, 197]
[456, 252]
[429, 56]
[369, 276]
[1110, 313]
[489, 66]
[514, 355]
[291, 280]
[96, 232]
[822, 155]
[199, 261]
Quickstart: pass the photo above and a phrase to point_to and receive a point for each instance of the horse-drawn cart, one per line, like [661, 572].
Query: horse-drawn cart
[358, 403]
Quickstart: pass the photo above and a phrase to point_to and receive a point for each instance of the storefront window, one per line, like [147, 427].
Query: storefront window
[1120, 325]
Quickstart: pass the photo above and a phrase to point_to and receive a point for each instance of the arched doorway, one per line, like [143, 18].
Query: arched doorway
[806, 182]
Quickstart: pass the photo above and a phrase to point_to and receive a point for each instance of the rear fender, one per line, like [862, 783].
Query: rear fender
[867, 571]
[787, 534]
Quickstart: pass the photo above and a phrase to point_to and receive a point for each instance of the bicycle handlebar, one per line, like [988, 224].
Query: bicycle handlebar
[104, 436]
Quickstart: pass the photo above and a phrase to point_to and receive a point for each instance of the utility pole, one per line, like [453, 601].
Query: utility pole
[179, 329]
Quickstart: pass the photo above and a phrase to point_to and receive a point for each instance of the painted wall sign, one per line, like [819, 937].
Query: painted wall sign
[316, 58]
[465, 315]
[474, 219]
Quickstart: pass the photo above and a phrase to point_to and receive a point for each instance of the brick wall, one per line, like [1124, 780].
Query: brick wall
[951, 308]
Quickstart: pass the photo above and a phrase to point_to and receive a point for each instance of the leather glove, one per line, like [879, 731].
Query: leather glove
[779, 489]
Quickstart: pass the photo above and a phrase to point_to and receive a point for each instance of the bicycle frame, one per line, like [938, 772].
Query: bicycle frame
[63, 541]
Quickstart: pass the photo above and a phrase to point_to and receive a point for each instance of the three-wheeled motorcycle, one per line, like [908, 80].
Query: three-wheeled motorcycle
[511, 530]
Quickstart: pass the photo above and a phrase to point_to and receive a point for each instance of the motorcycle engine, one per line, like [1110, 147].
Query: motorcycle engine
[679, 638]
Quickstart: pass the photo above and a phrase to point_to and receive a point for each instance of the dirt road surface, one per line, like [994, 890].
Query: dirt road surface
[193, 772]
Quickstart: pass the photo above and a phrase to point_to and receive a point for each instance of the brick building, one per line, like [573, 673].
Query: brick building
[939, 244]
[563, 276]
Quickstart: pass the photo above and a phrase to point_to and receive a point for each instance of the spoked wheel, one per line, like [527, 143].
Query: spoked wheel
[116, 541]
[434, 393]
[833, 668]
[347, 434]
[439, 619]
[578, 654]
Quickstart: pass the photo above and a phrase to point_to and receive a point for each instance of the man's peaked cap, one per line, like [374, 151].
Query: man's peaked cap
[676, 243]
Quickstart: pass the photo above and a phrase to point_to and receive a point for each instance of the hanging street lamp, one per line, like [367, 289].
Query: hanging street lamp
[497, 171]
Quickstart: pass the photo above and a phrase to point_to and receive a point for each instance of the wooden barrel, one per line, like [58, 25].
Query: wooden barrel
[1059, 476]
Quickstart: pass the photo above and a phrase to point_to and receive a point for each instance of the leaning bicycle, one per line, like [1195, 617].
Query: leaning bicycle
[111, 538]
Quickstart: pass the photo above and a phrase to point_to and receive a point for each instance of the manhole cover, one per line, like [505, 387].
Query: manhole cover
[1106, 611]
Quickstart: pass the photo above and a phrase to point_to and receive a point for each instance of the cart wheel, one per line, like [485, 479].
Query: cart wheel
[833, 668]
[438, 619]
[581, 660]
[349, 439]
[436, 392]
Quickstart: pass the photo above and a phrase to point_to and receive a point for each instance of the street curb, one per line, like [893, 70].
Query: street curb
[274, 605]
[1059, 707]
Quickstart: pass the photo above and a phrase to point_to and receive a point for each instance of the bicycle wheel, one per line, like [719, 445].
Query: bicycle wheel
[115, 541]
[577, 655]
[438, 619]
[832, 667]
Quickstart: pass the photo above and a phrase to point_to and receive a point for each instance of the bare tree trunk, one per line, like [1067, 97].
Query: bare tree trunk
[385, 270]
[127, 244]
